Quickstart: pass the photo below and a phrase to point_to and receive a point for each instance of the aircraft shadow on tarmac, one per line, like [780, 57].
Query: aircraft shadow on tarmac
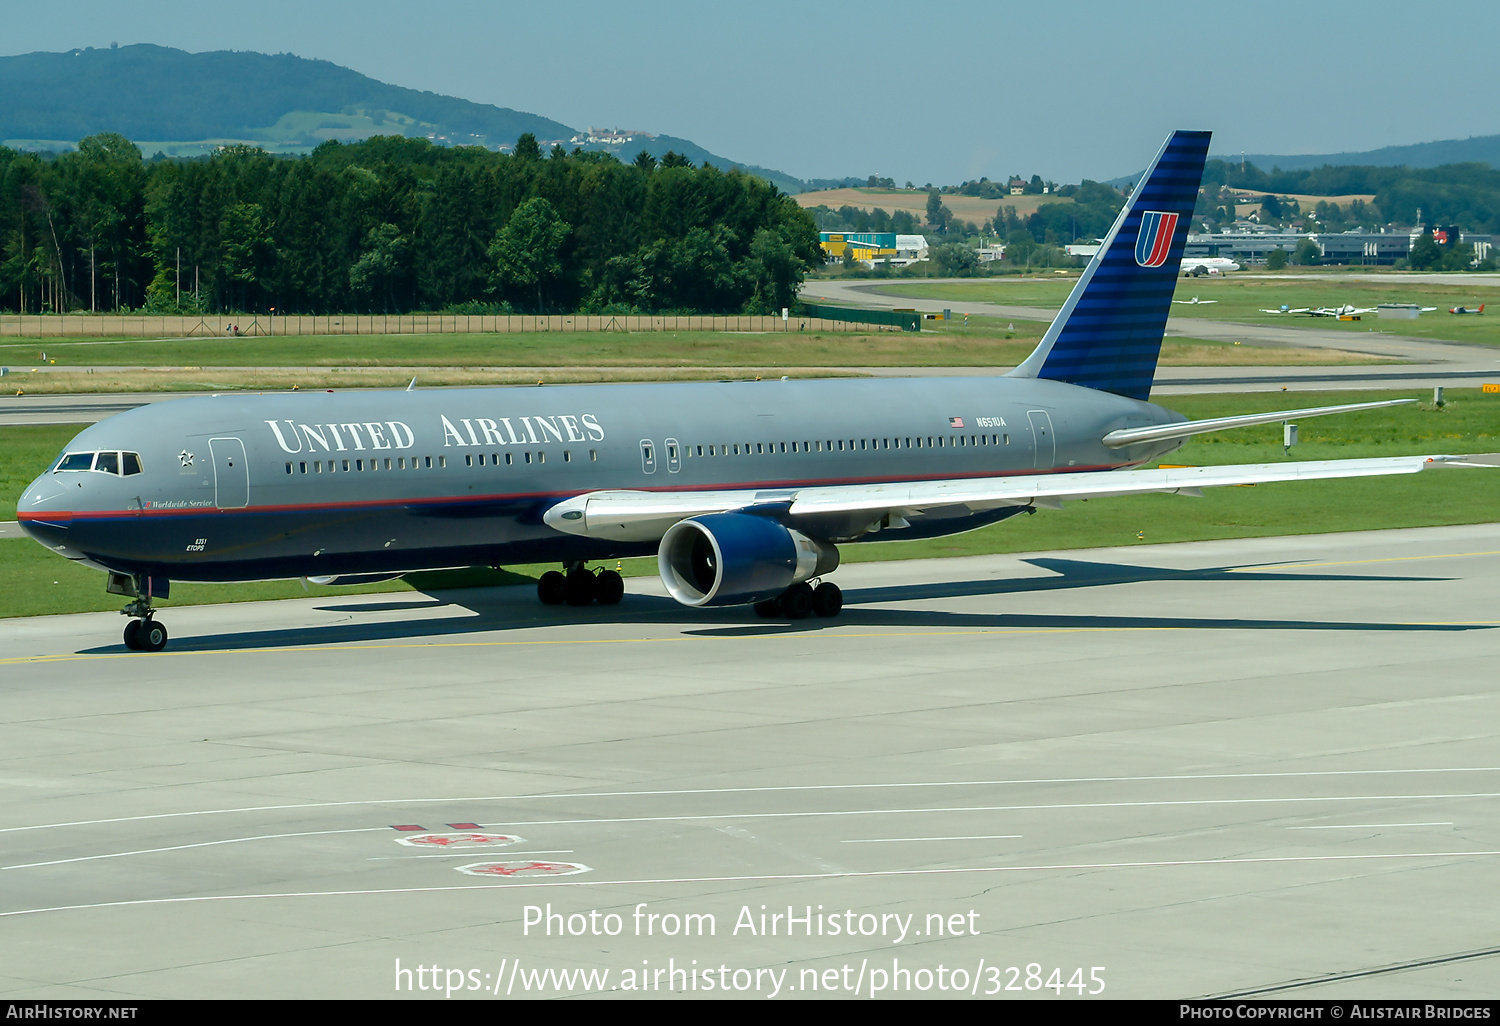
[511, 609]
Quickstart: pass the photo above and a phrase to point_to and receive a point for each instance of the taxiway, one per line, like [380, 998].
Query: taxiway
[1265, 767]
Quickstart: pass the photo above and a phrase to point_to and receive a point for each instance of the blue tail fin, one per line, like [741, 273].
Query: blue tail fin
[1108, 334]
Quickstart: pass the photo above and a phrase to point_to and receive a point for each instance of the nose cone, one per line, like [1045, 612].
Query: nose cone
[41, 513]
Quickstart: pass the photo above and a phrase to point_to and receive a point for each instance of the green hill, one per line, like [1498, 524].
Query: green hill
[186, 104]
[156, 94]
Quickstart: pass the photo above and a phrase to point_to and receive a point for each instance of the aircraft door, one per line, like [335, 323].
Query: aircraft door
[1044, 445]
[231, 473]
[648, 456]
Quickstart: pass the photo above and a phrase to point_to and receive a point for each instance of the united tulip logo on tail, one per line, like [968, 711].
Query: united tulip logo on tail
[1155, 240]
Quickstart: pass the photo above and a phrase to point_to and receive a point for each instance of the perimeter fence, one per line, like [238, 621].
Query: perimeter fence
[246, 325]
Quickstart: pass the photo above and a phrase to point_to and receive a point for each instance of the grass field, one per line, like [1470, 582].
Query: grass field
[1240, 299]
[387, 361]
[33, 581]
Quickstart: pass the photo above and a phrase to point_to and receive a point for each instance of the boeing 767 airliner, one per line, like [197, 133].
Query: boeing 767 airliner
[744, 490]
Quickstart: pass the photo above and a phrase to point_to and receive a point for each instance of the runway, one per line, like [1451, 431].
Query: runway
[1264, 767]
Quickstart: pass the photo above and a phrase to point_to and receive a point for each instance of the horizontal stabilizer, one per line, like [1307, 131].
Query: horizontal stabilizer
[1187, 428]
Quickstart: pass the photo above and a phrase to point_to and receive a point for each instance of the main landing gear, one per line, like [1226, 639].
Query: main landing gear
[580, 587]
[802, 600]
[143, 633]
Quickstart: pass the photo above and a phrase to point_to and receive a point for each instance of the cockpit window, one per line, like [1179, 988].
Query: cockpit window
[118, 463]
[77, 461]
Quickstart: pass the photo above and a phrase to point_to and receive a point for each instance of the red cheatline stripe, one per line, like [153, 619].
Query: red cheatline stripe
[122, 514]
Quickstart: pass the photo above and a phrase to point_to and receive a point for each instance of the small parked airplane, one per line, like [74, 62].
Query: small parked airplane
[1340, 312]
[1466, 310]
[1196, 267]
[1195, 301]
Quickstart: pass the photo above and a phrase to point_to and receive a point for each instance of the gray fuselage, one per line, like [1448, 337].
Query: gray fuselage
[243, 487]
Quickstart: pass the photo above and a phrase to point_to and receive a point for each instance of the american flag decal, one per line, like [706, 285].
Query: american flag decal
[1155, 239]
[955, 422]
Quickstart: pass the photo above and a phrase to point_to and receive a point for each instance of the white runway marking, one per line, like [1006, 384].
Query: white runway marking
[977, 837]
[1066, 867]
[1183, 803]
[199, 844]
[1366, 826]
[565, 795]
[461, 855]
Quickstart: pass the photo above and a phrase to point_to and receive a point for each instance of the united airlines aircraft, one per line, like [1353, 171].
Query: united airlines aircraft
[744, 490]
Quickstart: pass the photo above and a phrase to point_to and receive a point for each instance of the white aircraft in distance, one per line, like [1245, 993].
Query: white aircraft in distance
[1195, 301]
[1196, 267]
[1462, 309]
[1340, 312]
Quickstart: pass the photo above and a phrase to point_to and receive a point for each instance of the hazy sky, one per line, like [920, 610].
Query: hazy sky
[926, 92]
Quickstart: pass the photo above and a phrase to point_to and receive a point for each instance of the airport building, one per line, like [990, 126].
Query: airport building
[875, 247]
[1360, 248]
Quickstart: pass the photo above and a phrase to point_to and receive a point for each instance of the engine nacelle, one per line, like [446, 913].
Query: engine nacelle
[725, 559]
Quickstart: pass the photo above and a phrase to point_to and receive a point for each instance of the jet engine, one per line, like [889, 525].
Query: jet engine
[724, 559]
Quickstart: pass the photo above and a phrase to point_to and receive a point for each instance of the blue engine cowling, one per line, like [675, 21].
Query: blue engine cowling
[725, 559]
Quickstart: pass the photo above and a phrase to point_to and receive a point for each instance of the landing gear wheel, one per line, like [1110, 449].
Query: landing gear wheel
[153, 636]
[797, 602]
[552, 588]
[827, 599]
[578, 587]
[609, 588]
[133, 635]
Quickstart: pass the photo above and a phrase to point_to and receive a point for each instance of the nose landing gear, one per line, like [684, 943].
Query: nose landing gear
[144, 633]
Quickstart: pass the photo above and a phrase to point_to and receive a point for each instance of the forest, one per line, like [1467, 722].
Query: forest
[393, 225]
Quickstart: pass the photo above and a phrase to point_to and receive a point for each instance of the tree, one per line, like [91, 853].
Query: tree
[938, 214]
[527, 148]
[527, 252]
[954, 260]
[1276, 259]
[246, 250]
[1307, 253]
[382, 263]
[1426, 254]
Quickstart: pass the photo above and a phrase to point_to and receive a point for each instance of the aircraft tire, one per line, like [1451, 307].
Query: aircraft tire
[827, 599]
[551, 588]
[609, 588]
[579, 587]
[133, 635]
[797, 602]
[152, 636]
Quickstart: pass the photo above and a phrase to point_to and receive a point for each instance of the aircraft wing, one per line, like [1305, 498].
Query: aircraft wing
[643, 516]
